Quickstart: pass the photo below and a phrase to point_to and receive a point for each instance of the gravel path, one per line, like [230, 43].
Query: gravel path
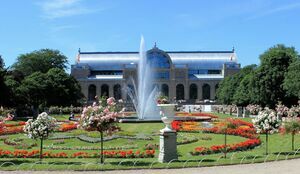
[280, 167]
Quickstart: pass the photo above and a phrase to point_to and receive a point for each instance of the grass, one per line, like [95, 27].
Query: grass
[279, 146]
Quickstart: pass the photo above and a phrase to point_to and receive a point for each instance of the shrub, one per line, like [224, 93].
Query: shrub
[5, 111]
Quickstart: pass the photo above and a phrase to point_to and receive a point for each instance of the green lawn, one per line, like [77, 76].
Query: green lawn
[277, 144]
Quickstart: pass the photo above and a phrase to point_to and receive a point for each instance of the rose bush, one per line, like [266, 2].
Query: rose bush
[40, 128]
[100, 117]
[266, 122]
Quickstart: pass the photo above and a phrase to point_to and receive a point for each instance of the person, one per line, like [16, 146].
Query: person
[71, 116]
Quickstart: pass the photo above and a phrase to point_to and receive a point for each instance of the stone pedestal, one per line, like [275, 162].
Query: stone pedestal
[168, 146]
[239, 111]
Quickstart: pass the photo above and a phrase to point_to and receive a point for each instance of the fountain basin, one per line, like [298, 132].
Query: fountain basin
[135, 119]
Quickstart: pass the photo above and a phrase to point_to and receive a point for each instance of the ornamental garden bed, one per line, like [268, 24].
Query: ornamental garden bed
[193, 146]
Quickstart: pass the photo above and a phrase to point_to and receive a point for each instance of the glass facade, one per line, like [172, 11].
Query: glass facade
[232, 65]
[106, 72]
[186, 75]
[162, 75]
[157, 59]
[192, 72]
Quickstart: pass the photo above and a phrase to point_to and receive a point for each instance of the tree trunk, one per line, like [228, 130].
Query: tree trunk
[225, 152]
[41, 150]
[293, 141]
[101, 153]
[267, 139]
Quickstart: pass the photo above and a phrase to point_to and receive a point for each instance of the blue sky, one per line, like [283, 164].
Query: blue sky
[250, 26]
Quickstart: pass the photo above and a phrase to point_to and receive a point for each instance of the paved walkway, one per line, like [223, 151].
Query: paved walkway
[280, 167]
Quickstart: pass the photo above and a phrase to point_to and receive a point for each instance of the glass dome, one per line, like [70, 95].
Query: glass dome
[158, 58]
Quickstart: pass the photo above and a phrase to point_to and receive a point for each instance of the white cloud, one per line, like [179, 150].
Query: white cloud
[59, 28]
[53, 9]
[275, 10]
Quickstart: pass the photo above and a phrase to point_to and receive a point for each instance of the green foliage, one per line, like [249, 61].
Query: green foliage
[33, 88]
[3, 88]
[244, 94]
[225, 90]
[62, 89]
[64, 110]
[2, 64]
[292, 127]
[266, 84]
[40, 61]
[292, 79]
[38, 80]
[5, 111]
[228, 86]
[270, 75]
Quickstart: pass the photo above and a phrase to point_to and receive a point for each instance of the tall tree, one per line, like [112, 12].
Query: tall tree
[270, 75]
[244, 94]
[4, 90]
[292, 79]
[40, 61]
[228, 85]
[2, 64]
[33, 90]
[39, 79]
[62, 89]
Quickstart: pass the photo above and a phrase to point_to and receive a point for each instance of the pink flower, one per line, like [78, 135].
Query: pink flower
[110, 101]
[106, 110]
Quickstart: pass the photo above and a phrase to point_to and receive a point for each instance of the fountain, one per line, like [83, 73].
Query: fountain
[143, 94]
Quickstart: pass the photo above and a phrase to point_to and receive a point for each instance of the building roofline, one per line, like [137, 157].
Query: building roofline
[135, 52]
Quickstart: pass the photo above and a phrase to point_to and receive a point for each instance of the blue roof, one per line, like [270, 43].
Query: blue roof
[193, 59]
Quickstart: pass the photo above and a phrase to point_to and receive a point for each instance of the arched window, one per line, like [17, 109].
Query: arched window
[193, 91]
[206, 91]
[91, 92]
[180, 92]
[117, 92]
[165, 90]
[104, 90]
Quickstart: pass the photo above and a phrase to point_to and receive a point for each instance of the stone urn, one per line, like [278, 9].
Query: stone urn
[168, 114]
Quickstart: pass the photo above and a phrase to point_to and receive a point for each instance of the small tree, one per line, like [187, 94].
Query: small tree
[100, 117]
[40, 128]
[292, 127]
[227, 125]
[266, 122]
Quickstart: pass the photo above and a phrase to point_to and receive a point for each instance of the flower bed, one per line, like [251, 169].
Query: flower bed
[21, 123]
[187, 141]
[11, 130]
[242, 146]
[18, 143]
[186, 126]
[243, 129]
[239, 122]
[107, 154]
[67, 127]
[243, 132]
[55, 147]
[196, 114]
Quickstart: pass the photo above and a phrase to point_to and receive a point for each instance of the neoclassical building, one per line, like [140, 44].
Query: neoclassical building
[192, 76]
